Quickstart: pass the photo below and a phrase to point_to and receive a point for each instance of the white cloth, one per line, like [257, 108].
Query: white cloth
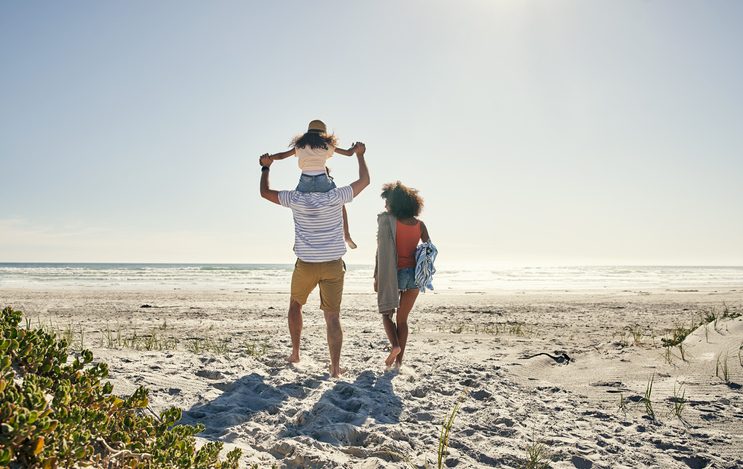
[318, 222]
[312, 160]
[425, 255]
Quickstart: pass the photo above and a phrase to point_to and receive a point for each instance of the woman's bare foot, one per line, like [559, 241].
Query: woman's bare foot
[293, 358]
[393, 354]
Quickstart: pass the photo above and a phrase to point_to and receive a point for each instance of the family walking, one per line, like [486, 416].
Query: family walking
[403, 267]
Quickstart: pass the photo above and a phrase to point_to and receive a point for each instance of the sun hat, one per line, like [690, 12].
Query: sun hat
[317, 126]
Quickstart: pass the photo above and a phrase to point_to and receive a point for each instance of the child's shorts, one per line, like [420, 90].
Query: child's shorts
[406, 279]
[319, 183]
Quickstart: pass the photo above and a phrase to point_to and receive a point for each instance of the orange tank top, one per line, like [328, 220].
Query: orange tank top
[406, 240]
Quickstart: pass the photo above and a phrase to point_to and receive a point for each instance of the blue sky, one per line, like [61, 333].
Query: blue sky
[538, 133]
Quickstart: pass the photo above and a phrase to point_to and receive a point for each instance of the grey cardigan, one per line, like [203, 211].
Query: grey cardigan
[385, 268]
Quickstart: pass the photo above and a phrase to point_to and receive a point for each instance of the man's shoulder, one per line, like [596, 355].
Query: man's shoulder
[285, 197]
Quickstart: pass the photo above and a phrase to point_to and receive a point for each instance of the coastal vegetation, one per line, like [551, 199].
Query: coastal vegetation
[56, 414]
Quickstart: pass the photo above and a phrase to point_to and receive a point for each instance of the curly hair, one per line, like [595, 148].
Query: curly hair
[404, 202]
[314, 139]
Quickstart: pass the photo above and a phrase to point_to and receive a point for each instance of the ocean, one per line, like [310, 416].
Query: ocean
[277, 277]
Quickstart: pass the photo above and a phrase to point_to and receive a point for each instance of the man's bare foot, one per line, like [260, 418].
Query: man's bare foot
[393, 354]
[293, 358]
[337, 372]
[350, 243]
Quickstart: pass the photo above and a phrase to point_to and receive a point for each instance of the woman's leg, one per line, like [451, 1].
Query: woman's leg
[407, 300]
[391, 330]
[346, 233]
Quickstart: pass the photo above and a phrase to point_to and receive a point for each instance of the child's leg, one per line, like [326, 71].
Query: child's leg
[346, 233]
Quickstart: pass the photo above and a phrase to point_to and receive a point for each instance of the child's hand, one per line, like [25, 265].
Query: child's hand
[265, 160]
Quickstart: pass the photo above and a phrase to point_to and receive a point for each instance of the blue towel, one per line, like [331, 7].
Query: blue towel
[425, 254]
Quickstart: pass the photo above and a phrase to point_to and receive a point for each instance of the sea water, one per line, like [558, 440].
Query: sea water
[277, 277]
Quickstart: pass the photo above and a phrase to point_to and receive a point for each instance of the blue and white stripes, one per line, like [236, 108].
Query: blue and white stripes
[425, 255]
[318, 222]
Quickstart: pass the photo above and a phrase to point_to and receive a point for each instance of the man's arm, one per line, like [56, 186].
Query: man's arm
[363, 180]
[266, 191]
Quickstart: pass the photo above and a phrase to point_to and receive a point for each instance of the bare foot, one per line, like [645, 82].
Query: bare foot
[337, 373]
[350, 243]
[394, 353]
[293, 358]
[395, 366]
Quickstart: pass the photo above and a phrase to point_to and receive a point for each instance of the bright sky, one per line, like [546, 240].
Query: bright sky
[538, 132]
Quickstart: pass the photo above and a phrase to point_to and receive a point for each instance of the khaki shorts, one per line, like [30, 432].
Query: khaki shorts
[329, 275]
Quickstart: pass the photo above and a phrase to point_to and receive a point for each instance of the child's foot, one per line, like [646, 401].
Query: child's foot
[350, 243]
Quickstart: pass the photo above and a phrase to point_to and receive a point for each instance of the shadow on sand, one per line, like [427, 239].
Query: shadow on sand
[293, 409]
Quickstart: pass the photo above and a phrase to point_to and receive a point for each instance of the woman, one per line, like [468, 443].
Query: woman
[398, 233]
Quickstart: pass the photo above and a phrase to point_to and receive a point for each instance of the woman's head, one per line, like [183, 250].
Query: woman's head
[402, 202]
[316, 137]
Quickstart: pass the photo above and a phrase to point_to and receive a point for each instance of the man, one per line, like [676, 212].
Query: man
[319, 245]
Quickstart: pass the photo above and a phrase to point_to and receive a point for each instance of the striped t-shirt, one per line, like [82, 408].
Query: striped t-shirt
[318, 222]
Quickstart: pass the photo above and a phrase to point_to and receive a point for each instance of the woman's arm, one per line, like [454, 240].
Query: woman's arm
[424, 232]
[348, 152]
[282, 155]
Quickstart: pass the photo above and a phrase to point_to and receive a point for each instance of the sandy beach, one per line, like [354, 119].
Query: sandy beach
[565, 369]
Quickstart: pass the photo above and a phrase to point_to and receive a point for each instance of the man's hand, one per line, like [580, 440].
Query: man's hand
[266, 191]
[363, 180]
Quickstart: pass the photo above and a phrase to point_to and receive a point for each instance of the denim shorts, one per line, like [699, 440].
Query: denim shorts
[319, 183]
[406, 279]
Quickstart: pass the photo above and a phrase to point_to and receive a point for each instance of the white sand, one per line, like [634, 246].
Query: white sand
[296, 416]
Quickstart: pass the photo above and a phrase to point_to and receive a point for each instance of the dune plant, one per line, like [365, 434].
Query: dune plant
[726, 313]
[446, 430]
[62, 415]
[682, 350]
[679, 402]
[443, 446]
[538, 455]
[678, 334]
[622, 403]
[637, 334]
[253, 347]
[194, 345]
[722, 368]
[668, 355]
[646, 399]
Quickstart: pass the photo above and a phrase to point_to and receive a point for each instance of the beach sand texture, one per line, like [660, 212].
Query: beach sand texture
[493, 344]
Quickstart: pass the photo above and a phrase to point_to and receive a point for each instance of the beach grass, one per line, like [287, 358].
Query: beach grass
[646, 399]
[722, 368]
[254, 349]
[623, 404]
[679, 401]
[443, 442]
[538, 455]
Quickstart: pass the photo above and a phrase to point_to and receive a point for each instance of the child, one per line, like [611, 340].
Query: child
[313, 149]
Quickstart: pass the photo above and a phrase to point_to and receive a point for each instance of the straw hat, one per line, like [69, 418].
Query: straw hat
[317, 126]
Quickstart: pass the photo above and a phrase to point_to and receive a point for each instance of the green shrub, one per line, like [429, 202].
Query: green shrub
[58, 415]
